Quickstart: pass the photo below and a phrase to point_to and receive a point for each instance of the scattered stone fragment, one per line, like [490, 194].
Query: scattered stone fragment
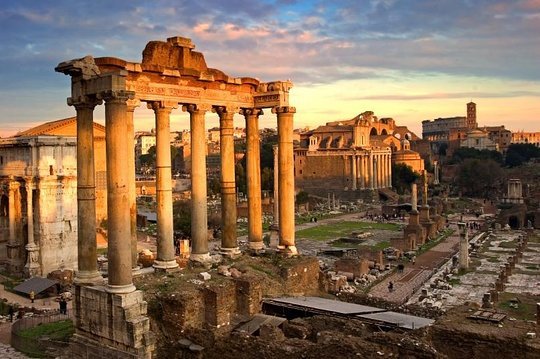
[205, 276]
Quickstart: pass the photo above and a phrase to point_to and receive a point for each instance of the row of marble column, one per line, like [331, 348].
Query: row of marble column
[121, 205]
[371, 171]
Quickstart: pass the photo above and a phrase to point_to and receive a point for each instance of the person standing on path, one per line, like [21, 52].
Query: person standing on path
[11, 313]
[32, 296]
[391, 286]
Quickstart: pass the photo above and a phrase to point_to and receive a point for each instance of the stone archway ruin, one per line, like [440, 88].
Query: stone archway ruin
[171, 75]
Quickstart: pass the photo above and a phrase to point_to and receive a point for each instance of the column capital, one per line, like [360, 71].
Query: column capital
[132, 104]
[116, 96]
[225, 110]
[196, 108]
[251, 112]
[161, 105]
[283, 109]
[82, 102]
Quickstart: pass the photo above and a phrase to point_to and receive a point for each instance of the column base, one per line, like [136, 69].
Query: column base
[230, 252]
[136, 271]
[289, 251]
[165, 266]
[120, 289]
[91, 278]
[257, 248]
[200, 258]
[274, 236]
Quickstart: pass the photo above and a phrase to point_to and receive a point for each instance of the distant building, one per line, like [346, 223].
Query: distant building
[346, 157]
[38, 184]
[479, 140]
[526, 137]
[438, 131]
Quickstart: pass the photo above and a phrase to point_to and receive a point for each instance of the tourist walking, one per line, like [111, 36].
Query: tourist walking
[32, 296]
[391, 286]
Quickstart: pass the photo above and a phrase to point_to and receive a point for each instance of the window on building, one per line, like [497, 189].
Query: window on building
[1, 160]
[51, 170]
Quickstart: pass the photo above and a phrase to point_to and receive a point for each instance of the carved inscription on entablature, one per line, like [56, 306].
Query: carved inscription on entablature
[146, 91]
[265, 100]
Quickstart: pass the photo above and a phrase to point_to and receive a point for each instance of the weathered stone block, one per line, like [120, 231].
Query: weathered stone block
[220, 303]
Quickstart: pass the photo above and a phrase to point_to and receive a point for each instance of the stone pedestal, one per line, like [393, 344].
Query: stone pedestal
[32, 268]
[110, 325]
[414, 228]
[427, 223]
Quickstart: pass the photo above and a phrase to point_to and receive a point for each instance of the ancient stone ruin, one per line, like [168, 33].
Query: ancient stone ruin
[111, 317]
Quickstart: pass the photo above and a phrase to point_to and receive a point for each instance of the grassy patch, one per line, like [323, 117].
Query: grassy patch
[454, 281]
[493, 260]
[427, 246]
[526, 308]
[341, 229]
[262, 269]
[61, 331]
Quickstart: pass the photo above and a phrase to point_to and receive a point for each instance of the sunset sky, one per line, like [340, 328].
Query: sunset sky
[411, 59]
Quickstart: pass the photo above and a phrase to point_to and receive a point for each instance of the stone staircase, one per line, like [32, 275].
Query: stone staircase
[388, 194]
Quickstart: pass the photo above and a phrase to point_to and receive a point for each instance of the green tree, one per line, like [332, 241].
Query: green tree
[479, 177]
[302, 197]
[402, 177]
[519, 153]
[240, 177]
[182, 217]
[463, 153]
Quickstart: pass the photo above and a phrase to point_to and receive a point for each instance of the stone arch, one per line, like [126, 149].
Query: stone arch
[408, 136]
[373, 132]
[384, 132]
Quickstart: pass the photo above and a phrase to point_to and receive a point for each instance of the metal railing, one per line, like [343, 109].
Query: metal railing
[31, 346]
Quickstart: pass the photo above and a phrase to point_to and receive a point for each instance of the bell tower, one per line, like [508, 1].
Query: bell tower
[471, 115]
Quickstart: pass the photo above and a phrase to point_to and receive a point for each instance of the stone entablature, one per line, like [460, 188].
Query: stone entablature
[178, 78]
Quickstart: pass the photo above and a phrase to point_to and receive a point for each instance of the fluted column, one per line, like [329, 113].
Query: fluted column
[11, 213]
[86, 193]
[286, 178]
[354, 173]
[31, 268]
[390, 171]
[165, 245]
[385, 156]
[118, 211]
[371, 166]
[253, 173]
[381, 171]
[131, 105]
[199, 216]
[229, 244]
